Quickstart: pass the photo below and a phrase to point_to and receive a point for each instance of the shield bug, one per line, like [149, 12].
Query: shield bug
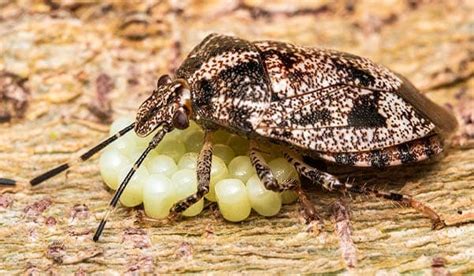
[320, 103]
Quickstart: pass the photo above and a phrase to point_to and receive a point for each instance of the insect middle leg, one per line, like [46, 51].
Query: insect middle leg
[203, 176]
[271, 183]
[331, 183]
[265, 174]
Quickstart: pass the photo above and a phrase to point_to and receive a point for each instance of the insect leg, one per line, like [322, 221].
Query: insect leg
[437, 222]
[264, 172]
[310, 213]
[113, 203]
[203, 176]
[270, 183]
[85, 156]
[332, 183]
[328, 181]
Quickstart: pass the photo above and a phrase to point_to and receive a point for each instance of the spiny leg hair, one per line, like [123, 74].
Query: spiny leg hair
[405, 200]
[203, 176]
[310, 213]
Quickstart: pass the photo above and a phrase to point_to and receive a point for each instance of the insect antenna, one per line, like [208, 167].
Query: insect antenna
[113, 203]
[85, 156]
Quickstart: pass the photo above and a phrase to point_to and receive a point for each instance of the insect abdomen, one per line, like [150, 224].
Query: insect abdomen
[413, 151]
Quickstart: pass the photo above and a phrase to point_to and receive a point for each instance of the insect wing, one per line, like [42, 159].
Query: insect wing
[335, 102]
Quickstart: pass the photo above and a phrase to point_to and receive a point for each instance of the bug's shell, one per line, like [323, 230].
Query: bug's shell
[323, 102]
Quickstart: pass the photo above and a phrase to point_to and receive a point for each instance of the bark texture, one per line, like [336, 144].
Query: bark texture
[72, 67]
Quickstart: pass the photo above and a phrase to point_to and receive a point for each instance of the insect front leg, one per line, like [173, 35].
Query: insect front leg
[203, 176]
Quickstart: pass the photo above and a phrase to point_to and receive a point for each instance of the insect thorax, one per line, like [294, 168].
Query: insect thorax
[228, 81]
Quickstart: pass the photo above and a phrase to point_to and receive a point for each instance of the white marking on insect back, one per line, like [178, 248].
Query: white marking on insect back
[217, 64]
[334, 133]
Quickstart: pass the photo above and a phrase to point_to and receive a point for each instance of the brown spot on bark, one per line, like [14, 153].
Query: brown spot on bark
[344, 232]
[259, 12]
[56, 251]
[438, 267]
[208, 231]
[143, 264]
[50, 221]
[79, 211]
[80, 272]
[14, 96]
[6, 201]
[37, 207]
[137, 236]
[465, 114]
[139, 26]
[79, 231]
[185, 251]
[101, 106]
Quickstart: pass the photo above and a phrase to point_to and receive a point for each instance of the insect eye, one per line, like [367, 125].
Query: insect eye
[180, 119]
[165, 79]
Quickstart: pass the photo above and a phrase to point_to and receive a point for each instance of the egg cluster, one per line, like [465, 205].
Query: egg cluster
[168, 174]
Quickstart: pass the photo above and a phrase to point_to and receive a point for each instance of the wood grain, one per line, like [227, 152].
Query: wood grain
[63, 50]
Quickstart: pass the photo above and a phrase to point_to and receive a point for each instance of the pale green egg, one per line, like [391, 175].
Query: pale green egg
[185, 182]
[188, 161]
[232, 199]
[194, 140]
[239, 144]
[133, 193]
[173, 148]
[158, 196]
[112, 162]
[263, 201]
[220, 137]
[284, 172]
[240, 167]
[224, 152]
[161, 164]
[120, 123]
[218, 172]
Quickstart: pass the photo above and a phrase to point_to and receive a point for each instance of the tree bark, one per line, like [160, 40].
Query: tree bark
[83, 64]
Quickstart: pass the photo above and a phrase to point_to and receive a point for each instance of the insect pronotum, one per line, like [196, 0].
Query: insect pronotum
[320, 103]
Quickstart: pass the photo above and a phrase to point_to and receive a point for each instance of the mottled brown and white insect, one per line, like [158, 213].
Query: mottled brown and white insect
[320, 103]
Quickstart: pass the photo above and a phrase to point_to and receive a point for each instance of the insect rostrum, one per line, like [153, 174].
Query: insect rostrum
[320, 103]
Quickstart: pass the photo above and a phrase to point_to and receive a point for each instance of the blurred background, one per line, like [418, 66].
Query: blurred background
[85, 51]
[67, 68]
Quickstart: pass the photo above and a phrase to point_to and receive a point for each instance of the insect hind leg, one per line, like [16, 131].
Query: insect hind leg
[405, 200]
[330, 182]
[203, 175]
[327, 181]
